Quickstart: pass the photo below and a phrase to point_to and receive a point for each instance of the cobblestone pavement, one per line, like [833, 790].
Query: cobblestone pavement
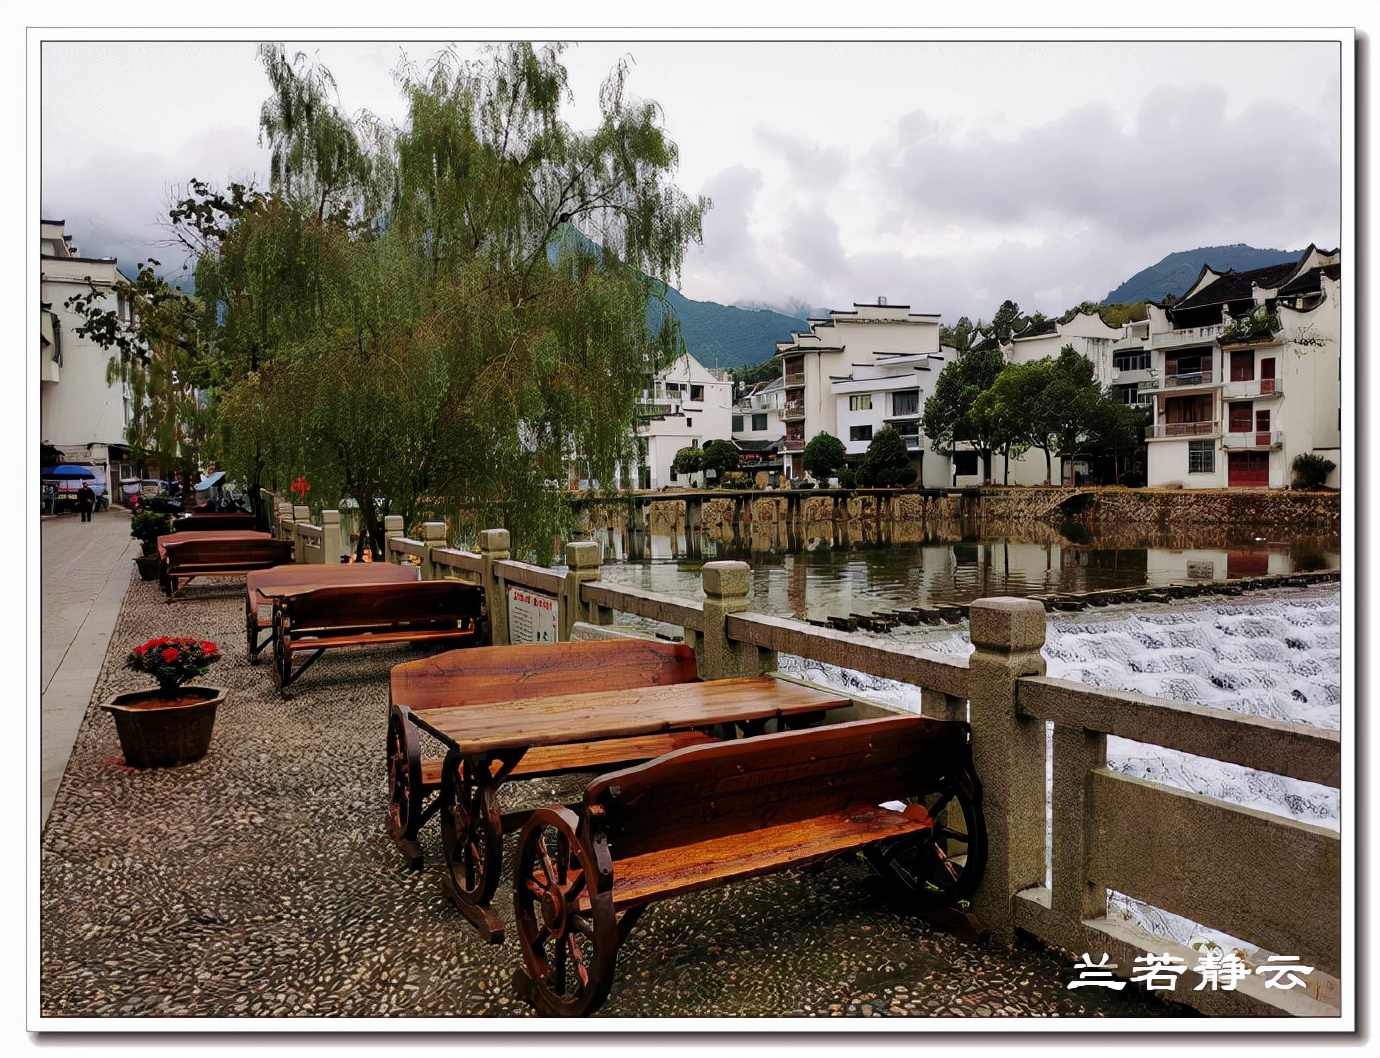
[259, 883]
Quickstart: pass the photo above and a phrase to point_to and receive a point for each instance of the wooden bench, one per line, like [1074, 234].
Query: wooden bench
[196, 523]
[901, 789]
[263, 586]
[193, 557]
[428, 611]
[505, 674]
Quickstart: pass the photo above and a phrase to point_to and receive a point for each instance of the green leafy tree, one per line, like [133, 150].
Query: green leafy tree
[887, 462]
[161, 357]
[1072, 402]
[435, 320]
[947, 419]
[687, 461]
[824, 453]
[719, 456]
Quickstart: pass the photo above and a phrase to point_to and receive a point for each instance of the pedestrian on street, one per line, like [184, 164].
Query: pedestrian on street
[86, 501]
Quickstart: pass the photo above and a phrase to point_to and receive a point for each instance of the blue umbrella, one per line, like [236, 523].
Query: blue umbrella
[67, 470]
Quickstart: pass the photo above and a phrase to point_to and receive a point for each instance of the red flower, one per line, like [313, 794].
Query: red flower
[171, 654]
[208, 647]
[141, 650]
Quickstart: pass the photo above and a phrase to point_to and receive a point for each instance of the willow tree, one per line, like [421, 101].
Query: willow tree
[451, 313]
[157, 354]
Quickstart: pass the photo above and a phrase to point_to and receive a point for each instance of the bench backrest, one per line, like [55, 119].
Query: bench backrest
[193, 523]
[505, 674]
[331, 574]
[739, 786]
[227, 554]
[365, 605]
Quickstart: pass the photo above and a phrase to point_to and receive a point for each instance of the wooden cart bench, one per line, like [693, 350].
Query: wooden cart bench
[262, 587]
[901, 789]
[504, 674]
[190, 555]
[428, 611]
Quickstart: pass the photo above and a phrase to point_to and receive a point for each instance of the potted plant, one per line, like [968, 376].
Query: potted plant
[147, 527]
[171, 725]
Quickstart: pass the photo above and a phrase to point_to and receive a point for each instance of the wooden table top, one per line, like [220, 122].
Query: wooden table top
[591, 716]
[210, 534]
[302, 576]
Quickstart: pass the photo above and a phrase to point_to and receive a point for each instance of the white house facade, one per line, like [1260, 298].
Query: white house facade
[841, 377]
[687, 407]
[81, 414]
[1248, 368]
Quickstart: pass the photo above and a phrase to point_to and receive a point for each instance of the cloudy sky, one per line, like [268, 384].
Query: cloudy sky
[944, 174]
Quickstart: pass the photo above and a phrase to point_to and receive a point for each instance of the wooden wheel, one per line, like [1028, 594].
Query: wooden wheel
[471, 834]
[251, 629]
[405, 787]
[944, 864]
[565, 917]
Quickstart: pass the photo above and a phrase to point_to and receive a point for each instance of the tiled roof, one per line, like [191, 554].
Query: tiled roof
[1238, 286]
[1310, 281]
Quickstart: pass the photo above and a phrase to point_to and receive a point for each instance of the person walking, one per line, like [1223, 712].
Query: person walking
[86, 501]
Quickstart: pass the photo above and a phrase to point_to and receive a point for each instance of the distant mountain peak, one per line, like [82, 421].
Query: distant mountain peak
[1176, 273]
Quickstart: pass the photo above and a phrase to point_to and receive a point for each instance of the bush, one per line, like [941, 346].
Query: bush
[866, 476]
[886, 452]
[848, 479]
[147, 527]
[803, 483]
[736, 479]
[1311, 470]
[1132, 479]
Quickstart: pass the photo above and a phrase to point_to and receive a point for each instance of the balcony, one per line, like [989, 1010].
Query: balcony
[905, 416]
[1258, 440]
[652, 409]
[1188, 336]
[1252, 389]
[791, 444]
[794, 411]
[1162, 431]
[1188, 378]
[795, 381]
[51, 370]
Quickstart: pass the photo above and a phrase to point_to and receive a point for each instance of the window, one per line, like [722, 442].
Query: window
[1200, 457]
[738, 423]
[1243, 366]
[1131, 360]
[860, 433]
[905, 402]
[689, 422]
[759, 421]
[860, 402]
[1129, 394]
[673, 387]
[965, 463]
[1239, 417]
[697, 393]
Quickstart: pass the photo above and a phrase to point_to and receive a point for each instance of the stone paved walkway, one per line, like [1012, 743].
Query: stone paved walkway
[258, 883]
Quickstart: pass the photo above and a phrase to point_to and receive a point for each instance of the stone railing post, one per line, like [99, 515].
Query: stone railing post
[582, 560]
[1008, 752]
[300, 513]
[433, 535]
[392, 528]
[726, 587]
[333, 547]
[494, 545]
[282, 522]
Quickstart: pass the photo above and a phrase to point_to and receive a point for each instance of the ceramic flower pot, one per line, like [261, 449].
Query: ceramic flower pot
[162, 729]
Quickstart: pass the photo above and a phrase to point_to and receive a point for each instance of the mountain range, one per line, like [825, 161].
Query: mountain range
[1174, 274]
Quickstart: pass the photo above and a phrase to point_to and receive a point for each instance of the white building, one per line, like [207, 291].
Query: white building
[1248, 374]
[688, 406]
[81, 414]
[758, 429]
[844, 376]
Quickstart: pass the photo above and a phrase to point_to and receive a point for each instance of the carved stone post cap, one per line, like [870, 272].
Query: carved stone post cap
[726, 579]
[330, 517]
[582, 554]
[301, 512]
[1006, 624]
[392, 523]
[494, 540]
[433, 530]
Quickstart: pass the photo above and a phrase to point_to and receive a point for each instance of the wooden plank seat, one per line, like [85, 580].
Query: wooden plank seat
[263, 586]
[901, 789]
[197, 523]
[461, 678]
[190, 555]
[348, 615]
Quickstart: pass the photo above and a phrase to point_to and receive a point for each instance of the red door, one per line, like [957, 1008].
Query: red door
[1248, 470]
[1267, 375]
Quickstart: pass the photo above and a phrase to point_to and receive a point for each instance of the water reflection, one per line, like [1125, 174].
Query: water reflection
[821, 582]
